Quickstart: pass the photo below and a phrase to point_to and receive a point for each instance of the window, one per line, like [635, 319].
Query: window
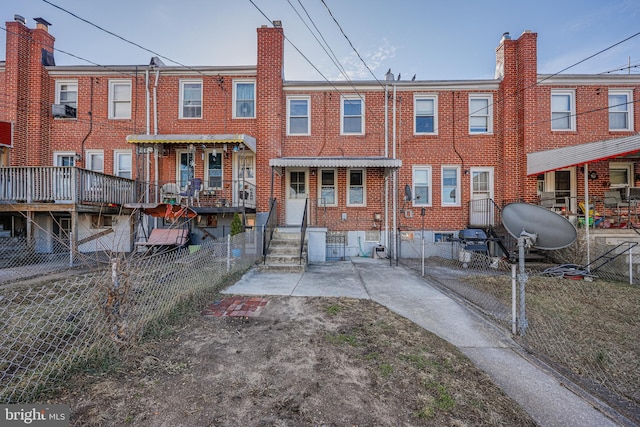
[95, 160]
[480, 114]
[563, 110]
[119, 99]
[422, 185]
[190, 99]
[67, 94]
[244, 95]
[443, 237]
[298, 122]
[355, 191]
[620, 174]
[122, 165]
[352, 122]
[328, 187]
[620, 110]
[450, 186]
[426, 120]
[214, 169]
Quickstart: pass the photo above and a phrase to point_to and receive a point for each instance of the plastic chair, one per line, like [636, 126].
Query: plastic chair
[193, 191]
[613, 200]
[169, 193]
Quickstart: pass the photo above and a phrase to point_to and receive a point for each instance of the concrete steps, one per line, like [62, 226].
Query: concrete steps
[284, 252]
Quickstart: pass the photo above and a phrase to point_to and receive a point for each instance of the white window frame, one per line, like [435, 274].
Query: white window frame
[117, 169]
[113, 114]
[235, 98]
[345, 98]
[205, 182]
[74, 104]
[629, 111]
[423, 97]
[321, 201]
[572, 109]
[457, 189]
[628, 167]
[184, 82]
[307, 117]
[364, 187]
[89, 154]
[429, 184]
[488, 115]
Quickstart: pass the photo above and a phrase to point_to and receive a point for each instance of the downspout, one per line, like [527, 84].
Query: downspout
[395, 181]
[90, 125]
[147, 118]
[386, 155]
[155, 128]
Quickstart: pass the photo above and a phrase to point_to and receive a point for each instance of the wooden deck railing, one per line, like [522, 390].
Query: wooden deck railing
[63, 184]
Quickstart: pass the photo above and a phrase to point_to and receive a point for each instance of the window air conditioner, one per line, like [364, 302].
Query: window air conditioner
[63, 111]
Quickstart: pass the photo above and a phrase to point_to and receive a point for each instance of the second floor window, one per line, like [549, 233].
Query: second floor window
[67, 94]
[480, 117]
[563, 110]
[352, 115]
[119, 99]
[190, 99]
[244, 98]
[122, 165]
[298, 116]
[619, 110]
[425, 119]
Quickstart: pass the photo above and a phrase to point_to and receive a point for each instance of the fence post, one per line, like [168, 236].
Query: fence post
[514, 316]
[522, 278]
[631, 263]
[228, 252]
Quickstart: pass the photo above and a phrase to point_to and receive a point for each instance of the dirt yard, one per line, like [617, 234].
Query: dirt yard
[301, 362]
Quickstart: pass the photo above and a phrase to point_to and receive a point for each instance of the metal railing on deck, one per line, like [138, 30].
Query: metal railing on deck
[270, 226]
[222, 194]
[63, 184]
[303, 230]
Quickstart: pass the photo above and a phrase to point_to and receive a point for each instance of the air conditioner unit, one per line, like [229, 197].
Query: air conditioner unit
[63, 111]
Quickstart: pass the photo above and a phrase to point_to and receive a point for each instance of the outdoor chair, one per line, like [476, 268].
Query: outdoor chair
[549, 200]
[613, 200]
[193, 191]
[169, 193]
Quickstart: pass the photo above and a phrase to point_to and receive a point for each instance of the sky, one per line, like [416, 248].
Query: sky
[434, 40]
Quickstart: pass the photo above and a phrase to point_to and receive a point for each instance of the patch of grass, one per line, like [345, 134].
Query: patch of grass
[418, 361]
[334, 309]
[386, 369]
[372, 356]
[343, 339]
[440, 401]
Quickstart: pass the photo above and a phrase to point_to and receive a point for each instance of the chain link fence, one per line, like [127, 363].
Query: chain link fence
[52, 323]
[585, 324]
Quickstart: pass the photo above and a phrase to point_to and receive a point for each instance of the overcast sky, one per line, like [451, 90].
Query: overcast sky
[435, 40]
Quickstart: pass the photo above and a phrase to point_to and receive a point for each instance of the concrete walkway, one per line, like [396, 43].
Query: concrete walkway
[540, 393]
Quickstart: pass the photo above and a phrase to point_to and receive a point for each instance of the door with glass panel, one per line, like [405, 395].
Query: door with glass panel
[481, 211]
[62, 176]
[297, 194]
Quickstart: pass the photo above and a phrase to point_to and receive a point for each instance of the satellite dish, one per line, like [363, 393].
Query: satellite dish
[552, 231]
[407, 192]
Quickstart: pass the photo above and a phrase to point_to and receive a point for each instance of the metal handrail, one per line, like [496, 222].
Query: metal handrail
[269, 227]
[303, 229]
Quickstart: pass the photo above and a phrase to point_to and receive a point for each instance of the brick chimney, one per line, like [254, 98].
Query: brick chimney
[28, 93]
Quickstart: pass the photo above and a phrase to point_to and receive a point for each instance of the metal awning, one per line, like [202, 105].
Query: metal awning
[560, 158]
[336, 162]
[247, 140]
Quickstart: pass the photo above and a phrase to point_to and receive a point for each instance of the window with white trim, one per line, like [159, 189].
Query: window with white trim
[356, 191]
[421, 185]
[327, 183]
[563, 110]
[352, 115]
[480, 114]
[190, 99]
[122, 164]
[95, 160]
[620, 110]
[621, 174]
[214, 169]
[450, 186]
[425, 113]
[298, 115]
[119, 99]
[244, 99]
[67, 93]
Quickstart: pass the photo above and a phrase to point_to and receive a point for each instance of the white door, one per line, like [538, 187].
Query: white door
[297, 194]
[481, 212]
[62, 178]
[246, 180]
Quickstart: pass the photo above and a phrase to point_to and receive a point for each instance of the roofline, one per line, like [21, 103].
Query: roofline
[56, 70]
[587, 79]
[484, 85]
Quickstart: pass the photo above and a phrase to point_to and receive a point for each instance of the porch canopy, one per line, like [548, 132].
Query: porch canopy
[247, 140]
[560, 158]
[336, 162]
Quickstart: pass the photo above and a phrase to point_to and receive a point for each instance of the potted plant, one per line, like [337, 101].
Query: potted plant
[236, 228]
